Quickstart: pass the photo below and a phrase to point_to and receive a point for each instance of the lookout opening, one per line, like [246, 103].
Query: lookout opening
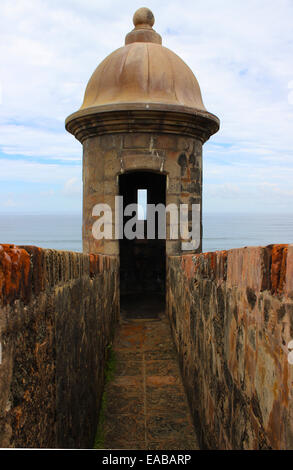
[143, 254]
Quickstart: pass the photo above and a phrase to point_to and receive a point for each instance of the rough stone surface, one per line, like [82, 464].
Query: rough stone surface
[58, 312]
[142, 111]
[146, 406]
[106, 157]
[232, 320]
[231, 316]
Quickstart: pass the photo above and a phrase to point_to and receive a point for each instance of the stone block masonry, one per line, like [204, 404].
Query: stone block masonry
[58, 313]
[231, 314]
[107, 157]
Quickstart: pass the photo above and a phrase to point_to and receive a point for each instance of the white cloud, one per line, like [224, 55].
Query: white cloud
[73, 187]
[48, 193]
[290, 94]
[24, 171]
[241, 53]
[9, 203]
[31, 141]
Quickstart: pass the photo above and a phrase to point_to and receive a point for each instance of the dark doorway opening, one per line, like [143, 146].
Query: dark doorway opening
[142, 260]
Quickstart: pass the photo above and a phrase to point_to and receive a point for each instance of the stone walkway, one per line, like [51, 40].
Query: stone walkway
[146, 407]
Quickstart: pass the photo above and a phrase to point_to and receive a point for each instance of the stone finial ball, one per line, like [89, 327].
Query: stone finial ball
[143, 16]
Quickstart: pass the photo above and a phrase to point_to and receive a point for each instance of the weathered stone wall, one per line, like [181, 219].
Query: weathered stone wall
[232, 319]
[58, 312]
[105, 157]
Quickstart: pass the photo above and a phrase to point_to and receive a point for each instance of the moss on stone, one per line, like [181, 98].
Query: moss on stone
[109, 375]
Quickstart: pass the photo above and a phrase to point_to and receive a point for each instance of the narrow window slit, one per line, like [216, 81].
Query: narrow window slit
[142, 204]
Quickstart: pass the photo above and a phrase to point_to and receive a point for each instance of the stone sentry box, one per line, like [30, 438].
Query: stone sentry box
[142, 111]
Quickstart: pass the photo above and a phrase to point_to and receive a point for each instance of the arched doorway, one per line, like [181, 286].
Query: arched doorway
[143, 258]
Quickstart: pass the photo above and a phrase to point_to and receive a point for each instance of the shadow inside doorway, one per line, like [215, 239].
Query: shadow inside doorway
[143, 306]
[142, 258]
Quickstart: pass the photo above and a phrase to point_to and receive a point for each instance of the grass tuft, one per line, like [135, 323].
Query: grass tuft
[109, 375]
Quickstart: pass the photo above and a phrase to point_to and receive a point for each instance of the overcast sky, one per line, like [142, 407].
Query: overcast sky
[240, 51]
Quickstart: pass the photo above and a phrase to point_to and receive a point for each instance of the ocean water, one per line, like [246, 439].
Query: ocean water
[60, 232]
[221, 231]
[226, 231]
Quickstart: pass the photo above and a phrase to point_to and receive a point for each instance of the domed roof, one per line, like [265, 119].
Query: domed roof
[142, 87]
[143, 71]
